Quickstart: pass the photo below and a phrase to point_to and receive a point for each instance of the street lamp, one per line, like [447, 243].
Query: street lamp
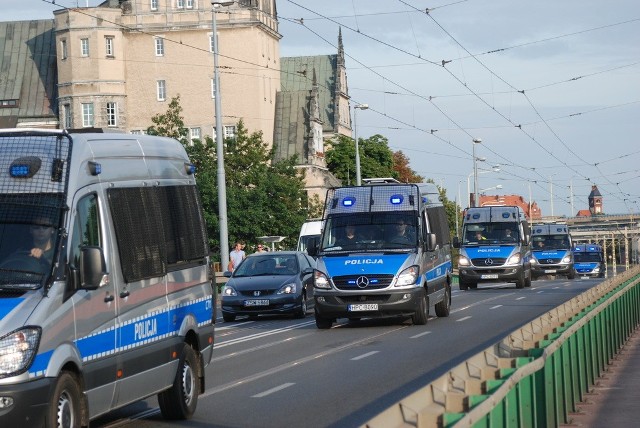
[475, 172]
[222, 181]
[355, 136]
[495, 168]
[499, 186]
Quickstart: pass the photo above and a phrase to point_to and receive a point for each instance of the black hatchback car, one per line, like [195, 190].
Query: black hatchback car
[273, 282]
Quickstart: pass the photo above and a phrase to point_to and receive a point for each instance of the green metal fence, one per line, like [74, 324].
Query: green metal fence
[537, 375]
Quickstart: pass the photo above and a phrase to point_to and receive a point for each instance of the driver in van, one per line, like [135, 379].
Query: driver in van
[349, 237]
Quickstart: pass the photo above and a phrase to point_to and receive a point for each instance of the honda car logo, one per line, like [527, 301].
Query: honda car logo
[362, 282]
[256, 293]
[488, 262]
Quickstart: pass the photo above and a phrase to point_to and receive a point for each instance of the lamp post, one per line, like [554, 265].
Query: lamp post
[495, 168]
[222, 180]
[475, 171]
[355, 136]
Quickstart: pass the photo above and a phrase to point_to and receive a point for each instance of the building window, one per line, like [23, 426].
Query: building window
[8, 103]
[189, 4]
[112, 114]
[63, 49]
[87, 115]
[229, 131]
[84, 47]
[179, 4]
[159, 46]
[194, 134]
[66, 116]
[154, 4]
[108, 46]
[161, 87]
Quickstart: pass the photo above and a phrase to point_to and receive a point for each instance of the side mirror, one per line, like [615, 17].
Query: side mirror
[431, 241]
[92, 268]
[312, 247]
[456, 242]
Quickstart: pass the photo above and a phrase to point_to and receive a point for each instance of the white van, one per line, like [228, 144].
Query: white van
[105, 286]
[311, 228]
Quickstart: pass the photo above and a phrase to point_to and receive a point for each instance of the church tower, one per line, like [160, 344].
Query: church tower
[595, 201]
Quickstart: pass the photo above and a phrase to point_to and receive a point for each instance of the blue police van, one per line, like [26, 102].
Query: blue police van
[551, 250]
[384, 251]
[494, 247]
[589, 260]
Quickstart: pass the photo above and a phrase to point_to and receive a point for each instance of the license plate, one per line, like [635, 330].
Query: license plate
[489, 276]
[550, 271]
[257, 302]
[363, 307]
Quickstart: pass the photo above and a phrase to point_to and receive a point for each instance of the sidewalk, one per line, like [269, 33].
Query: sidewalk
[615, 398]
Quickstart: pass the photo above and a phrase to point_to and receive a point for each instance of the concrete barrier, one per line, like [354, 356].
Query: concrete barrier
[537, 374]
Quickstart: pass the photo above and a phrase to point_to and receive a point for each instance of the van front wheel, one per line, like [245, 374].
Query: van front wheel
[66, 403]
[421, 315]
[444, 307]
[180, 401]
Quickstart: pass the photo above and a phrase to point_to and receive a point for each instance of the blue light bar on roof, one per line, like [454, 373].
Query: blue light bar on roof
[396, 199]
[348, 201]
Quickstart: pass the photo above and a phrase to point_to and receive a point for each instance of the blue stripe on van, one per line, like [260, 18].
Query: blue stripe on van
[134, 333]
[439, 271]
[7, 305]
[366, 263]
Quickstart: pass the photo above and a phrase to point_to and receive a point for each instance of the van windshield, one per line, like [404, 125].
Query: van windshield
[587, 257]
[375, 231]
[28, 239]
[490, 233]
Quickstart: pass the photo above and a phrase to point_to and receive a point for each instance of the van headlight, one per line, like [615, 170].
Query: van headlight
[17, 350]
[320, 280]
[514, 259]
[464, 261]
[408, 276]
[566, 259]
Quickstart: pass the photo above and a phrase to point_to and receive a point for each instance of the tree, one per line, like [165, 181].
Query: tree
[171, 123]
[404, 172]
[376, 159]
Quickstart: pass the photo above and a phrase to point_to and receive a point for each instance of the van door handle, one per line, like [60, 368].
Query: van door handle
[124, 294]
[108, 298]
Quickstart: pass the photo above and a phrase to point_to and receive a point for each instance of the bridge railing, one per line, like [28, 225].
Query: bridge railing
[537, 374]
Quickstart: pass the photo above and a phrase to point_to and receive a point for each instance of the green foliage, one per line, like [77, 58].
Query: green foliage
[376, 159]
[171, 123]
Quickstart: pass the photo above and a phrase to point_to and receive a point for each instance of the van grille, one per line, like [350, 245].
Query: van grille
[367, 282]
[483, 261]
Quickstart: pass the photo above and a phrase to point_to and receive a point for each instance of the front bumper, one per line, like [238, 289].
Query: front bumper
[282, 304]
[30, 403]
[493, 274]
[336, 304]
[550, 269]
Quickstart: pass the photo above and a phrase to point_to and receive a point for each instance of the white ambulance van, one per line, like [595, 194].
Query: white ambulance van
[105, 287]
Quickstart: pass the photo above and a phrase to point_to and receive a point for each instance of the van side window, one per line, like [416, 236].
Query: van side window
[86, 229]
[157, 228]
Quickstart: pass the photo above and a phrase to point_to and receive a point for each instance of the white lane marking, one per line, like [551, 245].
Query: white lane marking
[256, 348]
[219, 345]
[555, 288]
[272, 390]
[495, 307]
[463, 318]
[540, 292]
[520, 298]
[481, 302]
[287, 366]
[420, 335]
[368, 354]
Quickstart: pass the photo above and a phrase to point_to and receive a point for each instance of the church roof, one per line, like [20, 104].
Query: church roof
[28, 71]
[297, 75]
[291, 119]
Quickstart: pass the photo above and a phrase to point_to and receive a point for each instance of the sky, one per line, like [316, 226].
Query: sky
[550, 87]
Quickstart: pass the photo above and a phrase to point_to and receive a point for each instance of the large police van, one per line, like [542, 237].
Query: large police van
[105, 287]
[551, 250]
[494, 247]
[589, 260]
[384, 251]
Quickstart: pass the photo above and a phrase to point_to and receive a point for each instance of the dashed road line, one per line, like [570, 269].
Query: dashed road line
[420, 335]
[272, 390]
[368, 354]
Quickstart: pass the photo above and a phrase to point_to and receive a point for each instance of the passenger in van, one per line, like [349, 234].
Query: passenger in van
[401, 234]
[349, 238]
[42, 234]
[540, 244]
[508, 236]
[479, 236]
